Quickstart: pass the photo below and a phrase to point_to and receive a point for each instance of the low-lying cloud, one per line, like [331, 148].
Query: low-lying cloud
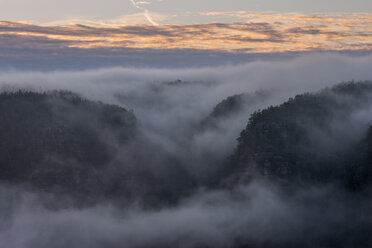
[256, 214]
[170, 105]
[169, 109]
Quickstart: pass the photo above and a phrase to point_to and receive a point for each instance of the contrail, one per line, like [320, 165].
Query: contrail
[146, 12]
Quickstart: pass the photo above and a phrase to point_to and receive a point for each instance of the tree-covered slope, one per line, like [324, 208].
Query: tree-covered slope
[232, 106]
[58, 140]
[311, 138]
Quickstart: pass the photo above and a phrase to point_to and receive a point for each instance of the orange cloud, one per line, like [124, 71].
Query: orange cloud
[262, 33]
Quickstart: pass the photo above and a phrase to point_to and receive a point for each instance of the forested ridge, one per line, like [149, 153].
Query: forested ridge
[311, 138]
[58, 140]
[298, 175]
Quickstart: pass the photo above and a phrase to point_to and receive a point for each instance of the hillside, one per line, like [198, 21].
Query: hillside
[63, 157]
[59, 141]
[313, 138]
[233, 106]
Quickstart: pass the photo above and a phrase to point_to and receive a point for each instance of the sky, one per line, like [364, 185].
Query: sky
[133, 54]
[166, 11]
[138, 32]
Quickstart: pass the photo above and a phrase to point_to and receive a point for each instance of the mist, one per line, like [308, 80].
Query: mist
[168, 112]
[257, 214]
[182, 157]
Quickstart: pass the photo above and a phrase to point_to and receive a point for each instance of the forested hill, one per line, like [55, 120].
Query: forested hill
[232, 106]
[317, 138]
[58, 140]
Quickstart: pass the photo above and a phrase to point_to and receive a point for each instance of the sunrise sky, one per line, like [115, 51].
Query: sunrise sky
[132, 29]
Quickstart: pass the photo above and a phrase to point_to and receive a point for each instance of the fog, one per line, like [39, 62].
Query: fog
[257, 214]
[170, 105]
[169, 112]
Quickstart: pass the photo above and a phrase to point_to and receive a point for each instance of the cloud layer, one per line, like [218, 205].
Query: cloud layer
[263, 33]
[168, 111]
